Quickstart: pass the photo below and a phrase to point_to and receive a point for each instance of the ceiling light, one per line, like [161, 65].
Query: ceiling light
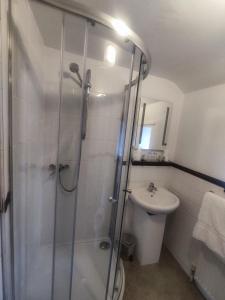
[110, 54]
[100, 95]
[120, 27]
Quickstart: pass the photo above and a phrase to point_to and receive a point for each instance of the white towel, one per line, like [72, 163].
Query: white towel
[210, 227]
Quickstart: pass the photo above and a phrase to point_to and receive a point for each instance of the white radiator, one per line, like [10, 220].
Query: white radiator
[210, 275]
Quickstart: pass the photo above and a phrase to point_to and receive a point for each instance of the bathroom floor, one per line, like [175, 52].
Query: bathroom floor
[163, 281]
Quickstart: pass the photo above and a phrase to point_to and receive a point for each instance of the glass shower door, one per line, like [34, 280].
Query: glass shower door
[35, 108]
[68, 129]
[99, 178]
[74, 35]
[46, 129]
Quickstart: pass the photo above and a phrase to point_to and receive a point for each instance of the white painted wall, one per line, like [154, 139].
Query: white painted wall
[200, 146]
[201, 140]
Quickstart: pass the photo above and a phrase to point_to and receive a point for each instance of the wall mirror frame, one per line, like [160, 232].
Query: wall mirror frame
[153, 124]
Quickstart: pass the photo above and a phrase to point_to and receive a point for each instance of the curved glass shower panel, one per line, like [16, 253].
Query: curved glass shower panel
[35, 106]
[70, 104]
[108, 59]
[131, 94]
[74, 32]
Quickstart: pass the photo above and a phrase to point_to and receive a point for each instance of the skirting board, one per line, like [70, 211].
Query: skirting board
[202, 290]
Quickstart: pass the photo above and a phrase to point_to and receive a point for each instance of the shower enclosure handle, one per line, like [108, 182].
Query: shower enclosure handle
[87, 87]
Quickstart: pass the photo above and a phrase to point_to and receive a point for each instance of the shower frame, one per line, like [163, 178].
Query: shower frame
[91, 15]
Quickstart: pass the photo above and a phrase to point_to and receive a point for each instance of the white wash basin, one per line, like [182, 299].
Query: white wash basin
[160, 201]
[149, 219]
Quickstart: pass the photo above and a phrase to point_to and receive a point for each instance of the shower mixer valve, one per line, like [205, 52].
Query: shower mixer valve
[52, 168]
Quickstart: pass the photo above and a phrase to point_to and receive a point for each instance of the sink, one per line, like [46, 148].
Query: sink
[150, 211]
[159, 202]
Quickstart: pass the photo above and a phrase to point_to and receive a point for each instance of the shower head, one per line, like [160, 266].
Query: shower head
[74, 68]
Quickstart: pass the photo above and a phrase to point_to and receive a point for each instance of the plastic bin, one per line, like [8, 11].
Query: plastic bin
[128, 245]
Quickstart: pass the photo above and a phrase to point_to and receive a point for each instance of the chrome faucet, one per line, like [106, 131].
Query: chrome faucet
[152, 188]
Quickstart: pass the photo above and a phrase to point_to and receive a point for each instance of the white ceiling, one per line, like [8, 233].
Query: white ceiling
[186, 38]
[49, 22]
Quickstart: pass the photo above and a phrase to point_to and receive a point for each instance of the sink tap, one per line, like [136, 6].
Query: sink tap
[152, 188]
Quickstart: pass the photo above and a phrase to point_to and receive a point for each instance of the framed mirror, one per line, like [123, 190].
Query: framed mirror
[153, 124]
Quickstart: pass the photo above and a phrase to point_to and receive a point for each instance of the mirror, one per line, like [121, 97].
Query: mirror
[153, 124]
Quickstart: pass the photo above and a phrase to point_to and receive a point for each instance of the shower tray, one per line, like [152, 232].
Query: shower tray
[89, 280]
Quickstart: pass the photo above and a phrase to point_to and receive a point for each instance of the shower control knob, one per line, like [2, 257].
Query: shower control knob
[52, 169]
[112, 200]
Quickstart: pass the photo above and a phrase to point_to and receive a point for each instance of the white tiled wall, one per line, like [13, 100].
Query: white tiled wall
[178, 237]
[190, 190]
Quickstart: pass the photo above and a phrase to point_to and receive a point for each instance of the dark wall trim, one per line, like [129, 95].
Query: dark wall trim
[151, 163]
[203, 176]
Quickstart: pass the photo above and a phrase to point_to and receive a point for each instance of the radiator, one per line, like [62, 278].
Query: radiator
[210, 275]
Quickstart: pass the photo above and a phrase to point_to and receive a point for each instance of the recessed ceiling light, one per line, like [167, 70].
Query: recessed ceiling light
[120, 27]
[110, 54]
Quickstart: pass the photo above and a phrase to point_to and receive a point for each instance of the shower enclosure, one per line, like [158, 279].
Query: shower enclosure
[73, 84]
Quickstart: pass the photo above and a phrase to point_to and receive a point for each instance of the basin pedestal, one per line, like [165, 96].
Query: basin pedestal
[149, 231]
